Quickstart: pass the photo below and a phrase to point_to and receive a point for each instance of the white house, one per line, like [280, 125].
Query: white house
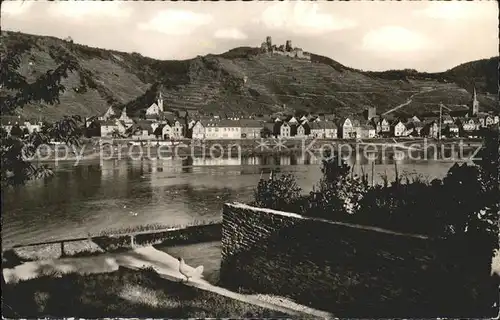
[383, 127]
[317, 130]
[398, 128]
[177, 129]
[347, 129]
[488, 121]
[166, 131]
[229, 129]
[198, 130]
[367, 131]
[211, 130]
[285, 130]
[301, 131]
[155, 108]
[469, 124]
[330, 129]
[223, 129]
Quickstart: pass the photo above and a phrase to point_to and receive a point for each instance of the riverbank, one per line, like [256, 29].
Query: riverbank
[183, 149]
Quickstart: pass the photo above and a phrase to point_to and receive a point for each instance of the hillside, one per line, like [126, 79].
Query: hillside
[216, 83]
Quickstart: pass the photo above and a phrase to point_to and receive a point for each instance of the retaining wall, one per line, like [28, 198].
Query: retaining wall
[111, 243]
[353, 271]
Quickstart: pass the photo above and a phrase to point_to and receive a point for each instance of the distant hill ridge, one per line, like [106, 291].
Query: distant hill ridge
[243, 80]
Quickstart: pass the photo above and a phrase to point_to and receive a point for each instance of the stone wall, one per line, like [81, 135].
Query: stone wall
[112, 243]
[350, 270]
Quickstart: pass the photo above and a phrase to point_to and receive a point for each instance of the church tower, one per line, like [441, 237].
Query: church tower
[474, 107]
[160, 102]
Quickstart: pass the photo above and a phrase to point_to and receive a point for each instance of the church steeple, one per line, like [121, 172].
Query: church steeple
[474, 107]
[160, 102]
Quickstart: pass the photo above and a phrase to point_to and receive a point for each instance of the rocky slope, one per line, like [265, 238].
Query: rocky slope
[242, 81]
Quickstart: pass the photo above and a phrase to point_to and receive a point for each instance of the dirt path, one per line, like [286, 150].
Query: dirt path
[164, 264]
[410, 100]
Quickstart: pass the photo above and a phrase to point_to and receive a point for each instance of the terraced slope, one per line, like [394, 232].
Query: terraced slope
[240, 81]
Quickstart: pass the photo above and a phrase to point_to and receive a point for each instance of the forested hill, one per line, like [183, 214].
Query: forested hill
[242, 80]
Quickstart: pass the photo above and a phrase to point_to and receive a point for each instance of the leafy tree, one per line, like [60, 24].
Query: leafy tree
[45, 88]
[16, 93]
[489, 179]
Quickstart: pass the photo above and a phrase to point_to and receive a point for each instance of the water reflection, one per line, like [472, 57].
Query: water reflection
[95, 196]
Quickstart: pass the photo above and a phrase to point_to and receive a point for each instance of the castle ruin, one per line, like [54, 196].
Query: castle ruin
[285, 50]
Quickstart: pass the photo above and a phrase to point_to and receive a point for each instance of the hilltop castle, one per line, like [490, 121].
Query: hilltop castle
[285, 50]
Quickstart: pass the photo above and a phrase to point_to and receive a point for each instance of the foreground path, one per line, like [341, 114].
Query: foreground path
[164, 264]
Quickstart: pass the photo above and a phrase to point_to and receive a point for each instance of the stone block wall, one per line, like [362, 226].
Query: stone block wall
[350, 270]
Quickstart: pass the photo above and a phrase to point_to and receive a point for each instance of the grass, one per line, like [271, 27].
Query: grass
[153, 227]
[123, 293]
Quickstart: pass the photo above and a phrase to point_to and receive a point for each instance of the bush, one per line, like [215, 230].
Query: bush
[463, 203]
[339, 191]
[279, 193]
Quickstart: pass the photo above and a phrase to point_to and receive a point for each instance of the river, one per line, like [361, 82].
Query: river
[94, 195]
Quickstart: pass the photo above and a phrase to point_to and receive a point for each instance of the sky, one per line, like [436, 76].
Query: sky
[369, 35]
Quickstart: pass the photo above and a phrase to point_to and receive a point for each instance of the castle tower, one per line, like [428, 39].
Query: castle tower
[160, 102]
[269, 41]
[474, 107]
[288, 46]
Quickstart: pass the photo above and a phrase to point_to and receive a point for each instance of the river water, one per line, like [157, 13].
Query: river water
[98, 195]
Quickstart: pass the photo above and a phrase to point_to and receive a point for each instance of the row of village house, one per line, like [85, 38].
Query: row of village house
[159, 125]
[214, 128]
